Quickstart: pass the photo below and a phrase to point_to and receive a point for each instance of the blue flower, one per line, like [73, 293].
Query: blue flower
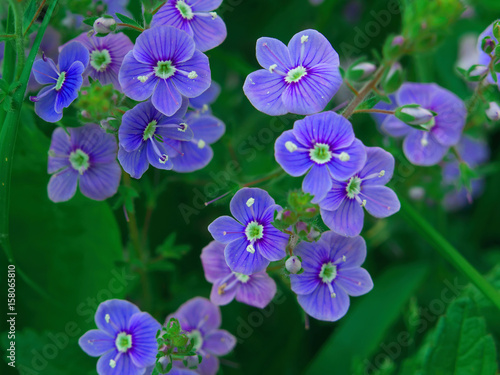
[87, 156]
[252, 242]
[332, 273]
[165, 66]
[125, 341]
[195, 17]
[196, 153]
[342, 209]
[299, 78]
[63, 83]
[147, 137]
[324, 147]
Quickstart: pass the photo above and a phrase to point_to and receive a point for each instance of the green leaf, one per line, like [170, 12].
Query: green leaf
[459, 345]
[90, 21]
[128, 20]
[169, 250]
[361, 331]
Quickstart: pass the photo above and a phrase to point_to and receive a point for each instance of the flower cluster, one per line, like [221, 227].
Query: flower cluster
[165, 70]
[127, 339]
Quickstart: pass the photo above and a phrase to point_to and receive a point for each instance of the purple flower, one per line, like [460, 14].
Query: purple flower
[106, 56]
[254, 290]
[195, 17]
[427, 147]
[87, 156]
[331, 274]
[196, 153]
[201, 103]
[63, 83]
[201, 320]
[484, 58]
[342, 209]
[125, 341]
[164, 65]
[252, 242]
[301, 78]
[49, 47]
[148, 137]
[324, 147]
[474, 152]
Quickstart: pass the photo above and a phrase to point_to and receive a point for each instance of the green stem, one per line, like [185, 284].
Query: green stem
[19, 30]
[9, 60]
[448, 252]
[363, 93]
[8, 135]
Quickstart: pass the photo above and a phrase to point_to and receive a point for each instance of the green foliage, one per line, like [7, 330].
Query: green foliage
[459, 345]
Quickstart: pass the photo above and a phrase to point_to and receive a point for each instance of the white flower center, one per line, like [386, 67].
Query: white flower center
[99, 60]
[321, 153]
[184, 9]
[296, 74]
[123, 342]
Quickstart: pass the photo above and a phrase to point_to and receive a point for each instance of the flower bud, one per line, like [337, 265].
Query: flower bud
[477, 72]
[487, 44]
[360, 71]
[398, 40]
[310, 232]
[393, 79]
[293, 264]
[414, 114]
[493, 112]
[496, 30]
[104, 25]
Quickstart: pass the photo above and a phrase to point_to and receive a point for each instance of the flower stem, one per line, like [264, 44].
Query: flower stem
[18, 23]
[8, 135]
[451, 254]
[131, 26]
[37, 13]
[363, 93]
[374, 110]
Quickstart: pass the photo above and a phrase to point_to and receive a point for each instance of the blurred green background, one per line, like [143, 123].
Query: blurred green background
[79, 254]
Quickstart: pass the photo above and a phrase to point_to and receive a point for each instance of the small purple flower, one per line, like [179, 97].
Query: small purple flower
[63, 83]
[421, 147]
[196, 153]
[201, 320]
[201, 103]
[332, 273]
[484, 58]
[125, 341]
[106, 56]
[254, 290]
[324, 147]
[165, 66]
[195, 17]
[147, 137]
[87, 156]
[301, 78]
[49, 47]
[342, 209]
[252, 242]
[474, 152]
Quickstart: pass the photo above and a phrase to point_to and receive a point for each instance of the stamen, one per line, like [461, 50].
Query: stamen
[290, 146]
[192, 75]
[216, 199]
[344, 156]
[424, 141]
[304, 38]
[250, 249]
[213, 14]
[250, 202]
[272, 67]
[201, 144]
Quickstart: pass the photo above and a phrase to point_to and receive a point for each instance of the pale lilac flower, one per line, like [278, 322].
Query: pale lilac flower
[342, 209]
[85, 157]
[201, 320]
[197, 18]
[251, 240]
[256, 290]
[324, 147]
[299, 78]
[125, 339]
[106, 56]
[332, 273]
[426, 147]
